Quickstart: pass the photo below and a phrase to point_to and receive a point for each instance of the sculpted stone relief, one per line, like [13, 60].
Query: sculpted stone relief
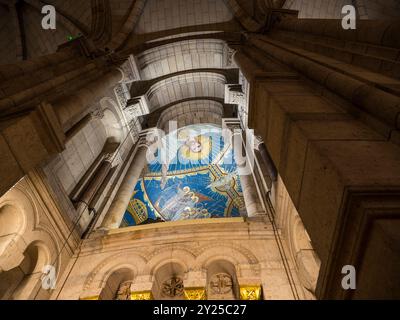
[173, 287]
[221, 283]
[124, 291]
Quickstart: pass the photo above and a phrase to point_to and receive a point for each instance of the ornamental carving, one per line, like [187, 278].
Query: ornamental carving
[234, 94]
[122, 94]
[97, 113]
[124, 291]
[221, 283]
[130, 70]
[173, 287]
[142, 295]
[250, 292]
[195, 294]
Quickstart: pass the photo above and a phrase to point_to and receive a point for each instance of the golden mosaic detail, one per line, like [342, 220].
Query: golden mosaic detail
[250, 292]
[90, 298]
[141, 295]
[195, 294]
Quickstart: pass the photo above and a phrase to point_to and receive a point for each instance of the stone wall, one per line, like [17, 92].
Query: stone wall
[33, 234]
[155, 253]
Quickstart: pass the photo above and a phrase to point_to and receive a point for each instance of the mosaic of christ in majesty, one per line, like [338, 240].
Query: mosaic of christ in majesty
[192, 176]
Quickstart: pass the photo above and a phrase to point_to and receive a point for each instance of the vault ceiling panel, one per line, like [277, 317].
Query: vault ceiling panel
[182, 56]
[191, 112]
[196, 84]
[161, 15]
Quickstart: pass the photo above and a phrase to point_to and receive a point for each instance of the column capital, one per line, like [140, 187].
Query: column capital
[97, 113]
[129, 70]
[258, 141]
[113, 158]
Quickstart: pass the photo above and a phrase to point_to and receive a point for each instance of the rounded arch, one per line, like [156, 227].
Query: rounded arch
[112, 126]
[117, 283]
[196, 53]
[192, 112]
[126, 267]
[304, 256]
[113, 120]
[18, 219]
[189, 85]
[12, 223]
[181, 256]
[233, 253]
[23, 281]
[222, 281]
[96, 279]
[168, 278]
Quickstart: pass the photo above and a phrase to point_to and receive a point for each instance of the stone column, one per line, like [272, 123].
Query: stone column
[269, 164]
[95, 183]
[250, 195]
[73, 108]
[247, 66]
[249, 189]
[118, 207]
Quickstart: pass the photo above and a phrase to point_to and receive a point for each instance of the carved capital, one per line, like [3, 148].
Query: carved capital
[142, 295]
[195, 293]
[250, 292]
[97, 113]
[130, 70]
[113, 158]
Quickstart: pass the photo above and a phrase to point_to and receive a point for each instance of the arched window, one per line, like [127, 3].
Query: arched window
[24, 281]
[222, 282]
[10, 224]
[168, 282]
[118, 285]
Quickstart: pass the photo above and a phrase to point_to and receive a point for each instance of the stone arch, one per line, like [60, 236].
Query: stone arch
[117, 283]
[112, 126]
[182, 256]
[11, 224]
[24, 281]
[304, 256]
[192, 112]
[113, 120]
[239, 253]
[96, 279]
[168, 278]
[222, 283]
[188, 85]
[197, 54]
[245, 262]
[18, 218]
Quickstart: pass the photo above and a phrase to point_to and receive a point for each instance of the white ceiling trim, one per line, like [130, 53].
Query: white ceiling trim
[182, 56]
[190, 85]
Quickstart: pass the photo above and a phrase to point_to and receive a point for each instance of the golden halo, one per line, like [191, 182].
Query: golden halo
[204, 152]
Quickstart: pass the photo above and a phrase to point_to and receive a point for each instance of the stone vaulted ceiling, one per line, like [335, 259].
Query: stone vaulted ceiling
[112, 22]
[179, 46]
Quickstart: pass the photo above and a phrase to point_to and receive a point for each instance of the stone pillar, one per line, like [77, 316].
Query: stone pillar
[95, 183]
[250, 194]
[269, 164]
[73, 108]
[118, 207]
[248, 67]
